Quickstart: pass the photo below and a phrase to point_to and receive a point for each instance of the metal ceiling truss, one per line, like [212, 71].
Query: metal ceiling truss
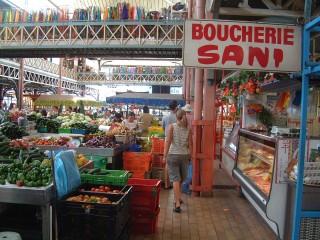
[24, 38]
[10, 69]
[130, 78]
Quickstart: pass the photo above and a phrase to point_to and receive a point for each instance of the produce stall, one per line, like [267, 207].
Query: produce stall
[42, 197]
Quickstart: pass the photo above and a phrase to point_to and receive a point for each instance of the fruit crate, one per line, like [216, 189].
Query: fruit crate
[121, 138]
[158, 145]
[64, 130]
[86, 187]
[136, 161]
[114, 177]
[125, 235]
[146, 193]
[91, 221]
[99, 161]
[158, 173]
[144, 221]
[156, 161]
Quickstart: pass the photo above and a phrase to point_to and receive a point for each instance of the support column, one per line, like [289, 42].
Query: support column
[59, 90]
[198, 98]
[20, 84]
[187, 85]
[208, 133]
[1, 94]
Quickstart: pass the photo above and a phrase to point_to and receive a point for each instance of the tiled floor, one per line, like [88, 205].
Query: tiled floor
[224, 216]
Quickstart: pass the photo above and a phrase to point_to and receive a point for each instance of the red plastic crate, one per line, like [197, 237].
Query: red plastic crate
[137, 174]
[146, 193]
[158, 145]
[157, 161]
[136, 161]
[144, 186]
[144, 222]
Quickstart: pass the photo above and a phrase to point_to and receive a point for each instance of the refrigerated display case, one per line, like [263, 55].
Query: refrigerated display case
[255, 171]
[229, 150]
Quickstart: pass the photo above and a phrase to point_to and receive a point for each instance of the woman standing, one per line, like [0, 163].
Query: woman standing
[130, 124]
[177, 152]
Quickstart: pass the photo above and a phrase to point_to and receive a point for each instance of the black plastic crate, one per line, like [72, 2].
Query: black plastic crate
[125, 235]
[91, 221]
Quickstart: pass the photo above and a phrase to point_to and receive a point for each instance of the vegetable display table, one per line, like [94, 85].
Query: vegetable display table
[41, 196]
[114, 154]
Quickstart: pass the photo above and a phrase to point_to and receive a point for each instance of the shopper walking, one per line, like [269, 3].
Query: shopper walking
[145, 119]
[177, 154]
[166, 121]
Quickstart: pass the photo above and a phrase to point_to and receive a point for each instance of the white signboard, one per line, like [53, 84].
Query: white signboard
[242, 45]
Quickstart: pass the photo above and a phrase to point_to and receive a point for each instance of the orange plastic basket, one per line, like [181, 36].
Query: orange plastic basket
[158, 145]
[136, 161]
[157, 161]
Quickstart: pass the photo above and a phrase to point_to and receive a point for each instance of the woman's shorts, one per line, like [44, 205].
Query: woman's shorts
[178, 167]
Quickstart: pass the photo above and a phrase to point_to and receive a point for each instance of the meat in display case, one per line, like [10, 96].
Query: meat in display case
[255, 161]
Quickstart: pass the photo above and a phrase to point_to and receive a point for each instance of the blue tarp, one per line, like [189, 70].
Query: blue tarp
[158, 100]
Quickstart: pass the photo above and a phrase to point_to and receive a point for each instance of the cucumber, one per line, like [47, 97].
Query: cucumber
[85, 170]
[6, 151]
[95, 170]
[5, 143]
[101, 173]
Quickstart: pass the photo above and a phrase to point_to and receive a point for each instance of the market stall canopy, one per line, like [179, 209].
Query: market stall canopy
[159, 100]
[65, 100]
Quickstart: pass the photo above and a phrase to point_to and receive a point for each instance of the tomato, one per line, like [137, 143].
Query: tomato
[101, 187]
[107, 189]
[97, 190]
[105, 200]
[101, 190]
[82, 190]
[93, 189]
[116, 191]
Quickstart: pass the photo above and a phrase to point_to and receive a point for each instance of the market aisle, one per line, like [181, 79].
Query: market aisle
[225, 216]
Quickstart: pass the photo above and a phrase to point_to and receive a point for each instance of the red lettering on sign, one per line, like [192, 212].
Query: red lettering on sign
[259, 35]
[209, 57]
[209, 32]
[197, 31]
[222, 35]
[233, 36]
[246, 34]
[233, 53]
[288, 36]
[255, 52]
[270, 35]
[277, 56]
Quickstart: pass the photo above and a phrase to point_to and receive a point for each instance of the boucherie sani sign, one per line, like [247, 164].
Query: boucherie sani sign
[242, 45]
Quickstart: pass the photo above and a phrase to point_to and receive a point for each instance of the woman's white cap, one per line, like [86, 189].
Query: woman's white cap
[187, 108]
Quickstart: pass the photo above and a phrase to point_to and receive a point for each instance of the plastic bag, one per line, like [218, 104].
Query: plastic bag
[66, 173]
[185, 186]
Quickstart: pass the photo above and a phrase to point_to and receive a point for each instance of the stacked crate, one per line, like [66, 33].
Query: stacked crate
[137, 163]
[144, 210]
[158, 166]
[85, 220]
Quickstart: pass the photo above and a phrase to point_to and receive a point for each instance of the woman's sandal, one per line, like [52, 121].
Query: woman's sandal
[176, 209]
